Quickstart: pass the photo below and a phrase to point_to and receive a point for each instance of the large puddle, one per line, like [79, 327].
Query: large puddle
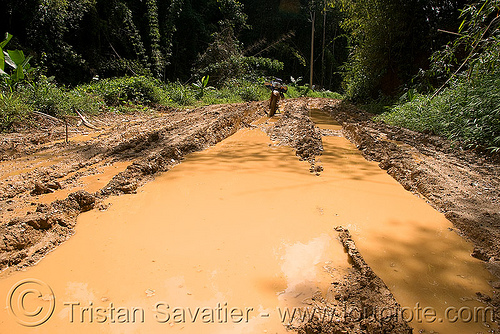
[235, 235]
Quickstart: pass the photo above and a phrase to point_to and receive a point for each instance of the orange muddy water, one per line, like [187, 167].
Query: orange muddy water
[229, 239]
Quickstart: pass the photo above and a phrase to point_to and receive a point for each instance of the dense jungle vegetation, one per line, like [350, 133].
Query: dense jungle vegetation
[429, 65]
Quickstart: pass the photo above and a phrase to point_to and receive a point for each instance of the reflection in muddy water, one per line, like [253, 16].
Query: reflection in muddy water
[300, 264]
[227, 240]
[323, 120]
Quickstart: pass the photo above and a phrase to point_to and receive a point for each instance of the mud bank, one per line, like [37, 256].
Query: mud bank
[354, 304]
[34, 165]
[295, 129]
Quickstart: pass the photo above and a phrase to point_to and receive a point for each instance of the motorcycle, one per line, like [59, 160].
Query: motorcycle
[278, 91]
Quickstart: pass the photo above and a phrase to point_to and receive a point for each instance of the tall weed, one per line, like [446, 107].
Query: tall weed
[468, 111]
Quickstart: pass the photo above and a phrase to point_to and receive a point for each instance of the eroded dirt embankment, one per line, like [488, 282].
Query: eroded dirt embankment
[33, 164]
[464, 185]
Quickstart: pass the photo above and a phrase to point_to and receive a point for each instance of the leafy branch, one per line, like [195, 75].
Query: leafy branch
[16, 61]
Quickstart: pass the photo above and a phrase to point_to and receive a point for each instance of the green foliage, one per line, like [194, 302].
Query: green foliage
[379, 106]
[8, 37]
[78, 99]
[468, 112]
[468, 109]
[391, 41]
[224, 60]
[200, 86]
[249, 68]
[305, 91]
[158, 62]
[295, 90]
[75, 40]
[18, 63]
[375, 29]
[128, 35]
[233, 14]
[232, 91]
[12, 110]
[44, 95]
[478, 37]
[149, 91]
[118, 90]
[247, 90]
[49, 28]
[179, 95]
[326, 94]
[282, 31]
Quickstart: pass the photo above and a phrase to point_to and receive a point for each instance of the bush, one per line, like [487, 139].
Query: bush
[295, 91]
[220, 96]
[235, 91]
[178, 94]
[118, 90]
[46, 96]
[12, 110]
[145, 90]
[325, 94]
[249, 91]
[83, 101]
[468, 111]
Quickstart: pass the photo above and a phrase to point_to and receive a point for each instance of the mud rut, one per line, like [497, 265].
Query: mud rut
[37, 169]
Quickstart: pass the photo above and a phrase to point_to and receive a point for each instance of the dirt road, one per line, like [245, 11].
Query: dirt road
[46, 184]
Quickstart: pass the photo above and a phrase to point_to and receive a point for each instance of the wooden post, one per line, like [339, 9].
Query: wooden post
[66, 126]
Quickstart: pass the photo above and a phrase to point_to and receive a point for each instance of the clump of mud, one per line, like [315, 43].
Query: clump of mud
[360, 303]
[295, 129]
[25, 239]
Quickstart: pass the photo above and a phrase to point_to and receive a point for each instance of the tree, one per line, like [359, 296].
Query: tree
[390, 41]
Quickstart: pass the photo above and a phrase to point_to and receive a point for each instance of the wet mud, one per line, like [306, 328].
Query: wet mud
[462, 184]
[356, 304]
[127, 152]
[46, 184]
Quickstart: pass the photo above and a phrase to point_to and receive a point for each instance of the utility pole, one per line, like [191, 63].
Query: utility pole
[323, 47]
[313, 18]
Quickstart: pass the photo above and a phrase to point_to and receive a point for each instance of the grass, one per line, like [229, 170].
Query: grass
[129, 94]
[46, 96]
[295, 91]
[467, 112]
[12, 110]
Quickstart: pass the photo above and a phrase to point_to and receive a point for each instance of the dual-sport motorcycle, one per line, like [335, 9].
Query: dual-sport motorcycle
[278, 91]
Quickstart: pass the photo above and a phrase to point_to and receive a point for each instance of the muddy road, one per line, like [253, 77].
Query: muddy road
[389, 258]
